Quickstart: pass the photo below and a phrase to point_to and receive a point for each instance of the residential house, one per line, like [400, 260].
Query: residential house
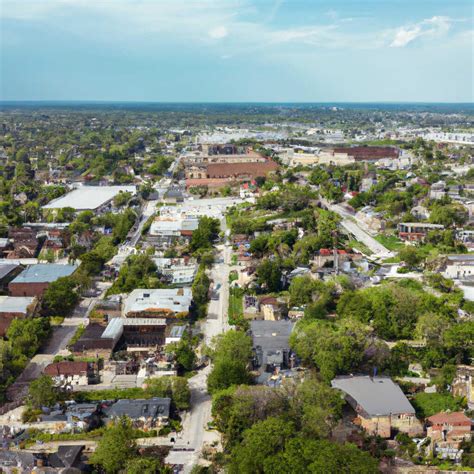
[463, 384]
[438, 190]
[447, 432]
[145, 414]
[459, 267]
[71, 373]
[380, 404]
[271, 348]
[416, 231]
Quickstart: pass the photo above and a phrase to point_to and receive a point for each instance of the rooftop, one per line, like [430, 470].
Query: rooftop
[455, 418]
[15, 304]
[157, 300]
[137, 408]
[44, 273]
[377, 396]
[88, 197]
[7, 268]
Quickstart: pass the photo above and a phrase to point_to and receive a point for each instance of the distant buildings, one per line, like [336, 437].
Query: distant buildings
[380, 405]
[12, 307]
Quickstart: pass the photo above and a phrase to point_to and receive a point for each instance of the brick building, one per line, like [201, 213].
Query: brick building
[34, 280]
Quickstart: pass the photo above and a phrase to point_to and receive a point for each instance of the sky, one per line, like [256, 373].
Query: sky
[237, 50]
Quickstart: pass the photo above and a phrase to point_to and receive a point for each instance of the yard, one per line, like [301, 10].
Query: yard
[236, 309]
[390, 241]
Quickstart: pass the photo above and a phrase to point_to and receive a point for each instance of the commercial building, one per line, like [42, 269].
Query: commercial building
[158, 303]
[34, 280]
[89, 198]
[380, 405]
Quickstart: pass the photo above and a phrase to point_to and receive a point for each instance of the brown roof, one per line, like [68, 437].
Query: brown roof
[456, 418]
[369, 152]
[253, 170]
[67, 368]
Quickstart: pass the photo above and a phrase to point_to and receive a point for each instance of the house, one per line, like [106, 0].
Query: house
[25, 242]
[459, 267]
[380, 404]
[12, 462]
[447, 432]
[13, 307]
[177, 271]
[463, 384]
[438, 190]
[34, 280]
[420, 212]
[416, 231]
[109, 307]
[68, 458]
[271, 348]
[144, 414]
[162, 303]
[272, 309]
[75, 417]
[70, 373]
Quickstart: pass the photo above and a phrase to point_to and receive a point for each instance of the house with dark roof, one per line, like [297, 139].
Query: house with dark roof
[380, 405]
[145, 414]
[69, 373]
[271, 347]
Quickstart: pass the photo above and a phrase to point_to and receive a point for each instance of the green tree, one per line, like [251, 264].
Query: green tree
[146, 465]
[206, 233]
[269, 275]
[260, 443]
[42, 392]
[116, 447]
[410, 255]
[60, 297]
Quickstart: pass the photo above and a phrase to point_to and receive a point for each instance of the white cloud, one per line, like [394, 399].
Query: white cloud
[218, 32]
[432, 27]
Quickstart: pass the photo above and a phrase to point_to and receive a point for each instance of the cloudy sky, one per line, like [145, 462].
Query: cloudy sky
[237, 50]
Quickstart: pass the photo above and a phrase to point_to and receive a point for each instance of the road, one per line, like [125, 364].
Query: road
[195, 434]
[359, 230]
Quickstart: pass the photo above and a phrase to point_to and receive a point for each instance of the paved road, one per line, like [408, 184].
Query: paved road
[195, 435]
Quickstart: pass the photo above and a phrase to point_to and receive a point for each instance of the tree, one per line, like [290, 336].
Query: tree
[27, 335]
[42, 392]
[227, 372]
[200, 289]
[183, 353]
[260, 443]
[146, 465]
[410, 255]
[116, 447]
[320, 456]
[60, 297]
[206, 233]
[269, 275]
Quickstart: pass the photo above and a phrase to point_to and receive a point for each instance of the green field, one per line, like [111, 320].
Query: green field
[390, 241]
[236, 308]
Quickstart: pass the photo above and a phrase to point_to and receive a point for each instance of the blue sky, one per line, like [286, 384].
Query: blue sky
[237, 50]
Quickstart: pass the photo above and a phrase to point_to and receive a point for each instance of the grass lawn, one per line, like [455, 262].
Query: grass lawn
[390, 241]
[236, 307]
[355, 244]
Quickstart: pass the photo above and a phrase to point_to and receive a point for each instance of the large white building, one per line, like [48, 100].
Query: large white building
[89, 198]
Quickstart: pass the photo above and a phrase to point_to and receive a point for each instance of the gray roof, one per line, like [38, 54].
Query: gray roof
[377, 396]
[15, 304]
[271, 335]
[138, 408]
[44, 273]
[6, 269]
[177, 331]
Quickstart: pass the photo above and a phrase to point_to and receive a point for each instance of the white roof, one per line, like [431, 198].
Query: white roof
[175, 300]
[88, 197]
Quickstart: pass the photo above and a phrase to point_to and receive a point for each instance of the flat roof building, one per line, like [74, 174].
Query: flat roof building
[34, 280]
[164, 302]
[89, 198]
